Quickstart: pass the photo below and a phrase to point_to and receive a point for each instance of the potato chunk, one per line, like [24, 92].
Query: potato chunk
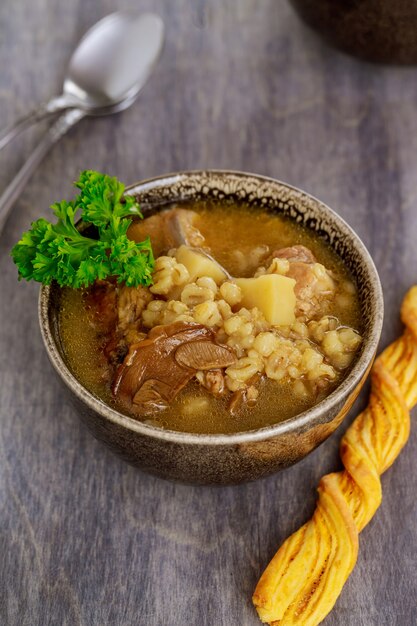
[199, 265]
[272, 294]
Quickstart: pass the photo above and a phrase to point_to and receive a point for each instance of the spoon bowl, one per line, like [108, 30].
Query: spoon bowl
[112, 61]
[110, 65]
[105, 75]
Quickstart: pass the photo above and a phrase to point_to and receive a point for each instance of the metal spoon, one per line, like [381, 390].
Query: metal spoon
[106, 72]
[110, 64]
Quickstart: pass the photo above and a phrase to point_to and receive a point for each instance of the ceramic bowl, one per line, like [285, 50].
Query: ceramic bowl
[381, 31]
[231, 458]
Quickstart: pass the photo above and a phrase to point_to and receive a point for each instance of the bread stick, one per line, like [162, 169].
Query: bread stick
[302, 582]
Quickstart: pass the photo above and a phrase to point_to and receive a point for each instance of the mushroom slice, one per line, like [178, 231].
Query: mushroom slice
[204, 355]
[153, 396]
[152, 375]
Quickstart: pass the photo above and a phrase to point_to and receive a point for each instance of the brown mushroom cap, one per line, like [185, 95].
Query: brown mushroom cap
[156, 369]
[204, 355]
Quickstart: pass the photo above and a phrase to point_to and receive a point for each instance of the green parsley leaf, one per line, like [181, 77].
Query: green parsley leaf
[63, 253]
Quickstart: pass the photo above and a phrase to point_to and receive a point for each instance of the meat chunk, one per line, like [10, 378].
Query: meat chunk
[168, 229]
[130, 303]
[156, 369]
[246, 396]
[180, 229]
[314, 283]
[100, 302]
[296, 253]
[213, 381]
[115, 314]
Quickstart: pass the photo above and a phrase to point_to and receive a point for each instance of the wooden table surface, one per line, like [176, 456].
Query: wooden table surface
[86, 539]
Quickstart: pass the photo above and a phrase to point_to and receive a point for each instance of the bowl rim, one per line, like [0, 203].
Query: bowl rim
[308, 418]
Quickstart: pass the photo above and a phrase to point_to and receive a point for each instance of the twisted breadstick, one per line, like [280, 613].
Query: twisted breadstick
[305, 577]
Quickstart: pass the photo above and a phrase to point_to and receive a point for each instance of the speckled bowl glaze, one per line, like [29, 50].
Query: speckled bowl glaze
[232, 458]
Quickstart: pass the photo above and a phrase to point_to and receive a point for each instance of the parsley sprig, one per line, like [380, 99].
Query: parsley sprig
[61, 252]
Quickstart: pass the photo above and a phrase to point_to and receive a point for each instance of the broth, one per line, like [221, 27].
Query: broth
[235, 234]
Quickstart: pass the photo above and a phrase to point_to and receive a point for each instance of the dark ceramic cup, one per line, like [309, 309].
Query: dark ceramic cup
[384, 31]
[232, 458]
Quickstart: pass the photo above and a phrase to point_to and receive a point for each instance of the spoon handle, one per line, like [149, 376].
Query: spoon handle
[41, 112]
[53, 134]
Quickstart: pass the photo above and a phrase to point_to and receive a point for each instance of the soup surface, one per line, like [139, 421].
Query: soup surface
[251, 319]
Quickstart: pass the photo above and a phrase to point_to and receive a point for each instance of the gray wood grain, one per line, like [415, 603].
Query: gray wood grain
[85, 539]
